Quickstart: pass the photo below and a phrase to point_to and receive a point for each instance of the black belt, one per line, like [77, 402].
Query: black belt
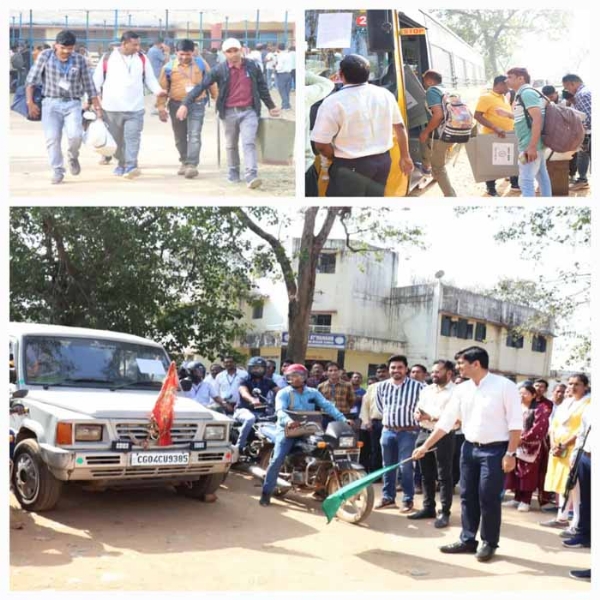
[425, 429]
[63, 98]
[478, 445]
[378, 420]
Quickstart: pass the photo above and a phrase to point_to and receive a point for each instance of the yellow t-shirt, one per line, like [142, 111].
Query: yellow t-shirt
[487, 104]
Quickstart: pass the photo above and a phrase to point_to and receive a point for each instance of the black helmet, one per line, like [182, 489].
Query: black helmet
[257, 366]
[196, 369]
[183, 370]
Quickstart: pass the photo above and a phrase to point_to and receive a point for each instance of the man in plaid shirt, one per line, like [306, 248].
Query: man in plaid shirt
[337, 391]
[582, 101]
[65, 78]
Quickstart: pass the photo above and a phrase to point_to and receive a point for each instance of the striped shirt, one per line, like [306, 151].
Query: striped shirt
[397, 403]
[583, 102]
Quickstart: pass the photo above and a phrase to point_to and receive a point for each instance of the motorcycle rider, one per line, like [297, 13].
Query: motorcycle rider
[194, 386]
[256, 380]
[305, 399]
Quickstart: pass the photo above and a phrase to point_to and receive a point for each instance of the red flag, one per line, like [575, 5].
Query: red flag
[161, 418]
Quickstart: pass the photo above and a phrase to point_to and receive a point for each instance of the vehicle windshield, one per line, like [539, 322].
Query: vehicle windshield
[325, 28]
[91, 362]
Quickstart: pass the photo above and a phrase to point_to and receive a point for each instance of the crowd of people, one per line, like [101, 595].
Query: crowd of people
[461, 424]
[351, 130]
[181, 77]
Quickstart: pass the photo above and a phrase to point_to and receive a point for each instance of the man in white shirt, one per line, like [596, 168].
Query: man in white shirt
[211, 378]
[121, 77]
[199, 389]
[432, 402]
[371, 418]
[354, 129]
[489, 409]
[283, 76]
[229, 380]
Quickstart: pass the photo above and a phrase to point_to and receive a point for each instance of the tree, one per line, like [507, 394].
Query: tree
[174, 275]
[496, 33]
[356, 223]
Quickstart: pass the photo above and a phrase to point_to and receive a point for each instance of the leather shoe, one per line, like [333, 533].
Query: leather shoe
[485, 552]
[442, 521]
[422, 514]
[386, 503]
[407, 507]
[459, 548]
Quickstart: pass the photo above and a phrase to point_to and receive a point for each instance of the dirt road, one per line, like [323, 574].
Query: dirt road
[30, 174]
[155, 540]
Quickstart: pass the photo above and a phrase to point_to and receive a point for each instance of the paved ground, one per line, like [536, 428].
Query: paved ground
[30, 174]
[155, 540]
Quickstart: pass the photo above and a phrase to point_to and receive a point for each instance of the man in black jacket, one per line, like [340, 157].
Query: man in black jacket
[242, 86]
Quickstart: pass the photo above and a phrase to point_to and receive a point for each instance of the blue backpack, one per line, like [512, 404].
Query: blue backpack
[19, 103]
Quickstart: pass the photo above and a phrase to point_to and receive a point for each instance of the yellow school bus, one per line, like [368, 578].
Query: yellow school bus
[400, 46]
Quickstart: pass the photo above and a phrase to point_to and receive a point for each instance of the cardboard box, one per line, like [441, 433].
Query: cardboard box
[492, 157]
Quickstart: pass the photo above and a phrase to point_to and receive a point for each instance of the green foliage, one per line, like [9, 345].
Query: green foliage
[174, 275]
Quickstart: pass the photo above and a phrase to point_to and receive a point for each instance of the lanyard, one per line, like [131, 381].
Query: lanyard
[128, 64]
[65, 67]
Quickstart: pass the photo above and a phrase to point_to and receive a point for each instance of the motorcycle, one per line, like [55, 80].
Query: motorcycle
[322, 462]
[15, 408]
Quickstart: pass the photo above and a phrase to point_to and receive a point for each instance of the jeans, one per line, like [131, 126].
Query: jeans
[481, 486]
[283, 445]
[397, 446]
[187, 133]
[530, 171]
[284, 87]
[247, 418]
[584, 473]
[56, 115]
[126, 129]
[437, 465]
[244, 122]
[270, 78]
[434, 154]
[359, 177]
[584, 156]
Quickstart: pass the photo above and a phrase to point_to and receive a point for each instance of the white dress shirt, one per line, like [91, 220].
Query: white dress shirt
[202, 393]
[368, 408]
[123, 88]
[285, 62]
[229, 385]
[358, 120]
[432, 400]
[488, 411]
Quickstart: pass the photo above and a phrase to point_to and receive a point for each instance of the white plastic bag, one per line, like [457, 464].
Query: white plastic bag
[99, 139]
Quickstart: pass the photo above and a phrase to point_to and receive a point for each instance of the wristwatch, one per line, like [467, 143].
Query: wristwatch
[511, 454]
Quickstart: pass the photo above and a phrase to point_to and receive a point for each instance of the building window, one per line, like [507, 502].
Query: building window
[469, 331]
[326, 263]
[462, 329]
[372, 370]
[254, 352]
[514, 340]
[446, 326]
[538, 343]
[458, 328]
[320, 323]
[257, 310]
[480, 332]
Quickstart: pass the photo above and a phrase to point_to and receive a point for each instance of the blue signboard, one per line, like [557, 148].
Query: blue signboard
[319, 340]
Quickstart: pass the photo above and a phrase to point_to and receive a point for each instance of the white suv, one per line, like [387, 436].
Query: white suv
[90, 395]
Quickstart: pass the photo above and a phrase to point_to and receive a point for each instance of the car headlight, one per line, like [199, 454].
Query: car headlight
[347, 442]
[88, 433]
[214, 432]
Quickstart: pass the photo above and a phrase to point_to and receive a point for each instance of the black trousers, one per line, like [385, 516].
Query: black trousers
[481, 485]
[376, 458]
[459, 439]
[436, 466]
[359, 177]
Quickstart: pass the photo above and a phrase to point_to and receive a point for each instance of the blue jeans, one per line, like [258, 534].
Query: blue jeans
[247, 418]
[397, 446]
[126, 129]
[56, 115]
[584, 156]
[531, 171]
[187, 133]
[245, 123]
[270, 77]
[283, 445]
[481, 486]
[284, 87]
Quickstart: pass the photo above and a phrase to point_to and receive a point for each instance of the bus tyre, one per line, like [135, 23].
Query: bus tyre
[207, 484]
[34, 486]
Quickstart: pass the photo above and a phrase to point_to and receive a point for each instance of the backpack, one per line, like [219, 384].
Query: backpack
[17, 62]
[563, 130]
[458, 119]
[19, 103]
[170, 66]
[105, 57]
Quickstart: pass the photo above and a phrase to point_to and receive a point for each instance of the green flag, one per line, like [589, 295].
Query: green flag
[332, 503]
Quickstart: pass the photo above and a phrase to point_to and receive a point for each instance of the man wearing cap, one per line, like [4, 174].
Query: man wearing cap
[354, 128]
[242, 86]
[65, 78]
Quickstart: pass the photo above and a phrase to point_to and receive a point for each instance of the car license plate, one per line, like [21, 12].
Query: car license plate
[150, 459]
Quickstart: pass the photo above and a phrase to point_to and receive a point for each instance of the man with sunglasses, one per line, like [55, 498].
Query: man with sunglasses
[242, 86]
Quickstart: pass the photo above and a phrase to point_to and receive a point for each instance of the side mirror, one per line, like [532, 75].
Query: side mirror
[380, 30]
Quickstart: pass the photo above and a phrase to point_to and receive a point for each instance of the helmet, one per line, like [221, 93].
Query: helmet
[296, 368]
[183, 370]
[257, 366]
[196, 369]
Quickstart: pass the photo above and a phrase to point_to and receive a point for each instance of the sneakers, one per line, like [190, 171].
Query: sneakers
[576, 542]
[131, 172]
[407, 507]
[579, 185]
[549, 507]
[118, 171]
[182, 169]
[568, 533]
[191, 172]
[422, 514]
[523, 507]
[555, 523]
[581, 574]
[74, 166]
[459, 548]
[57, 178]
[511, 503]
[265, 499]
[254, 183]
[442, 521]
[385, 503]
[485, 553]
[234, 179]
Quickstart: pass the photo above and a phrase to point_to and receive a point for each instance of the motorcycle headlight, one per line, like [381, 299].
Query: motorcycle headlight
[88, 433]
[347, 442]
[214, 432]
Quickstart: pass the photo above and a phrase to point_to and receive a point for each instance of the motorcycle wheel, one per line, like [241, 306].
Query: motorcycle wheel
[358, 507]
[264, 460]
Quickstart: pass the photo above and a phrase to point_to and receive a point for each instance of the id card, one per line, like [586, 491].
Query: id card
[64, 85]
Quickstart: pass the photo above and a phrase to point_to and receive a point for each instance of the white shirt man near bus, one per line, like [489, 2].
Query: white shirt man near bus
[354, 129]
[489, 409]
